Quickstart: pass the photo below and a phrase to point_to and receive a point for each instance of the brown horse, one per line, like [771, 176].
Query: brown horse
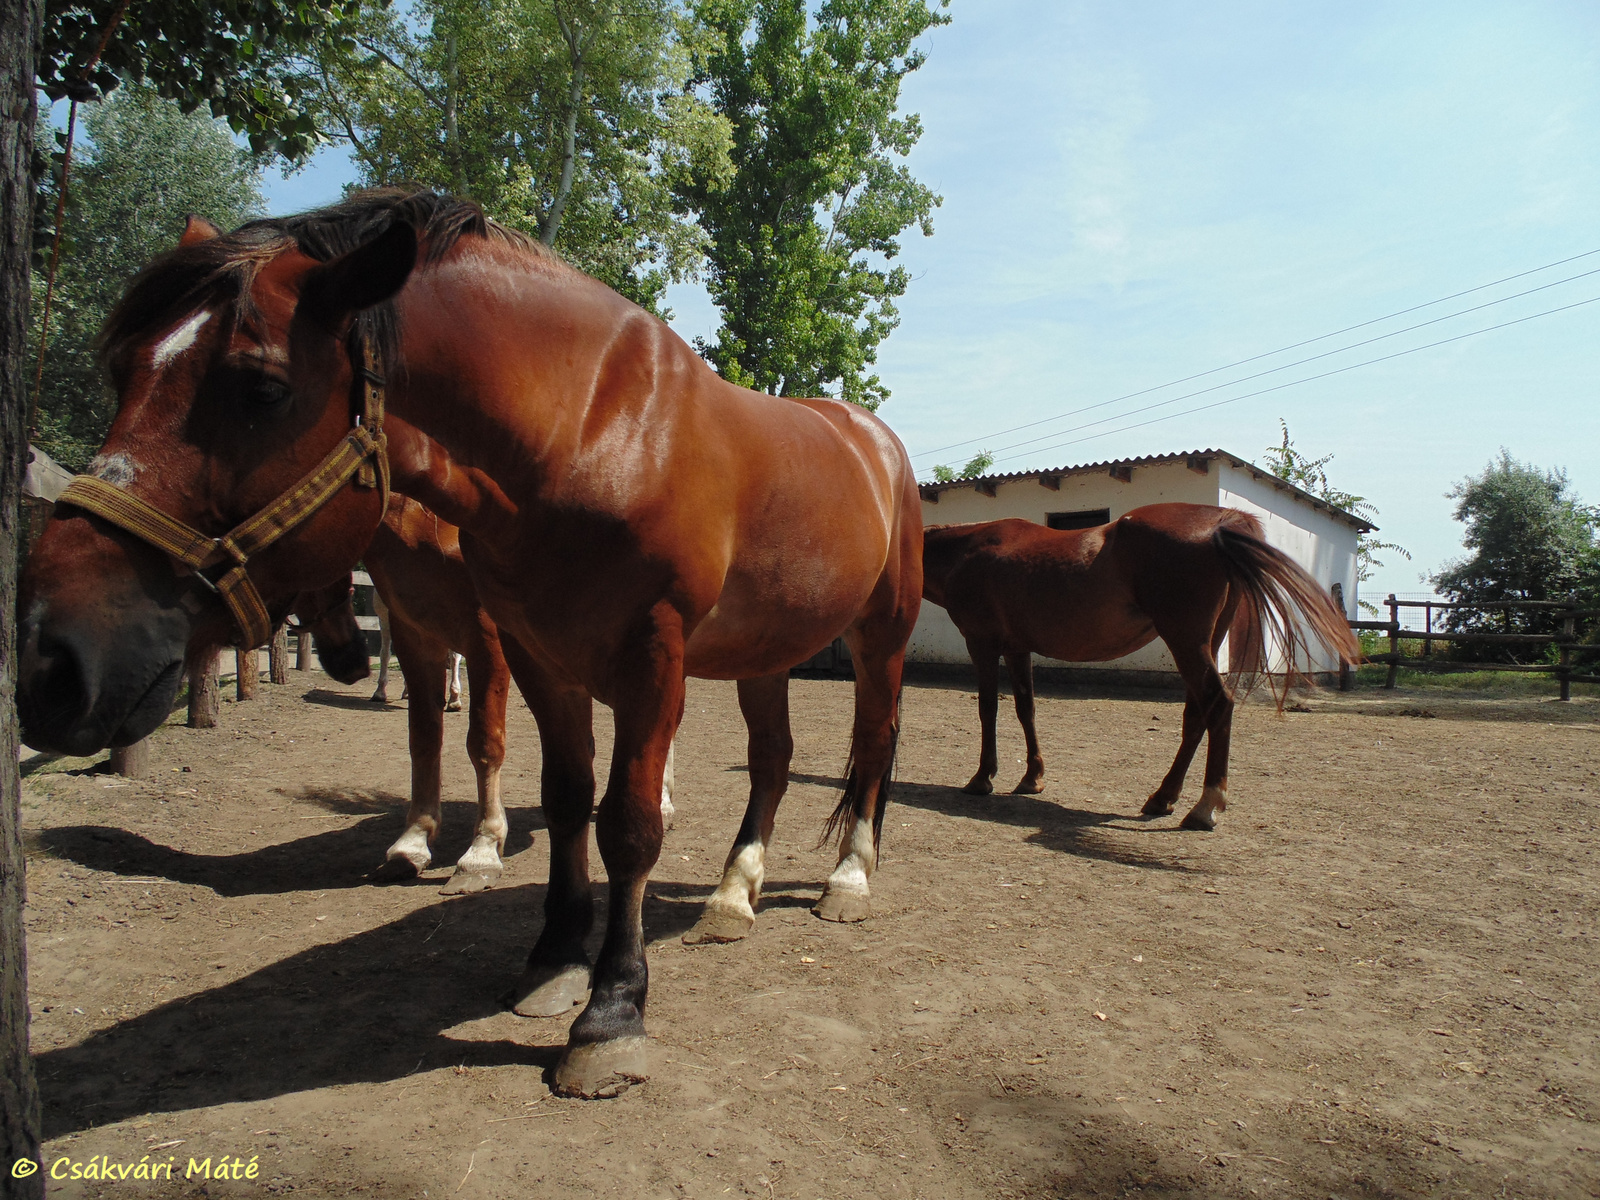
[627, 518]
[1189, 574]
[433, 614]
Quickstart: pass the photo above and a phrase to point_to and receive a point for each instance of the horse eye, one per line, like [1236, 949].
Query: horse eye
[269, 393]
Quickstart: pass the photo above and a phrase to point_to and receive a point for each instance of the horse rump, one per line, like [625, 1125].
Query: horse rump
[1278, 603]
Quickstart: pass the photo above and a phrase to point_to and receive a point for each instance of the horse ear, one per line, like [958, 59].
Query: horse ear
[368, 275]
[197, 229]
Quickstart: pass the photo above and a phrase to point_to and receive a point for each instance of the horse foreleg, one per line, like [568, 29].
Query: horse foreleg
[859, 817]
[606, 1046]
[986, 658]
[385, 648]
[557, 975]
[422, 665]
[731, 911]
[1021, 667]
[488, 682]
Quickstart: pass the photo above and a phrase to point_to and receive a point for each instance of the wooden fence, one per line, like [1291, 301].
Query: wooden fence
[1567, 611]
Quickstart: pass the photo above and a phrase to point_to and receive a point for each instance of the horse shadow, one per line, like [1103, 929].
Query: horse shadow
[372, 1008]
[352, 700]
[330, 859]
[1065, 830]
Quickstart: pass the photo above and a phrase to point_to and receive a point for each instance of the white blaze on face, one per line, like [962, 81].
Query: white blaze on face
[179, 340]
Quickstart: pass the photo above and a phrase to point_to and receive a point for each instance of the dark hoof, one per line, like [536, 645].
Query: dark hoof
[395, 870]
[549, 991]
[1028, 787]
[1205, 824]
[980, 786]
[1156, 807]
[602, 1070]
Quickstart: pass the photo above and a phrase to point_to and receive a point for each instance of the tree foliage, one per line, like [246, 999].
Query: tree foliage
[147, 165]
[802, 239]
[237, 57]
[567, 119]
[976, 465]
[1311, 475]
[1529, 537]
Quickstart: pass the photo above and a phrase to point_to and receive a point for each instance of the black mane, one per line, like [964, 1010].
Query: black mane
[224, 268]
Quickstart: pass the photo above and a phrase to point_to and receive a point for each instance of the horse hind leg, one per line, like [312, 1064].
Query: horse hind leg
[731, 912]
[859, 816]
[1214, 709]
[488, 682]
[422, 661]
[669, 813]
[452, 694]
[1165, 798]
[1021, 667]
[385, 648]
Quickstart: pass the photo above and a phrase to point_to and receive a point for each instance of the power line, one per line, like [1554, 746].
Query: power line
[1294, 382]
[1300, 362]
[1258, 357]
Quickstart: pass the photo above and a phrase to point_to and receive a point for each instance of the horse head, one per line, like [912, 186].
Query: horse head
[232, 359]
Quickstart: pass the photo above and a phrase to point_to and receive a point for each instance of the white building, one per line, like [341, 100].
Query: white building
[1320, 537]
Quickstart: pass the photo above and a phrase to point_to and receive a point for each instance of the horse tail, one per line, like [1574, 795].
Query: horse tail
[1278, 603]
[855, 793]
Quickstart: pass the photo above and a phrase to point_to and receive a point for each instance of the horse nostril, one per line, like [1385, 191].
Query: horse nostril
[51, 689]
[347, 663]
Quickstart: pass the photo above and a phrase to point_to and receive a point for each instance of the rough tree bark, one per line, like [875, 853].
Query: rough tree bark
[21, 30]
[205, 692]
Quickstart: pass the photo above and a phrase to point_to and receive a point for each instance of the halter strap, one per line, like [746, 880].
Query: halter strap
[363, 454]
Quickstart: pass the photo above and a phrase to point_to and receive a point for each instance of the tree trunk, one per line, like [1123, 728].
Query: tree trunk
[21, 29]
[132, 761]
[205, 693]
[278, 656]
[246, 672]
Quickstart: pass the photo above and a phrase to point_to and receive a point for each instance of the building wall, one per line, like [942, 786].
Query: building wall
[1324, 545]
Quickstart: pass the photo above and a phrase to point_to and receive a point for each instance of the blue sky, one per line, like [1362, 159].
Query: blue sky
[1138, 193]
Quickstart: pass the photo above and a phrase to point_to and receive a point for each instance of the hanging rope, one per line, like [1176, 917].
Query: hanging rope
[61, 211]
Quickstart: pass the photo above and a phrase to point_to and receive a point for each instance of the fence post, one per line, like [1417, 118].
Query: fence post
[1394, 640]
[132, 761]
[278, 656]
[1427, 644]
[246, 673]
[1569, 631]
[302, 650]
[205, 700]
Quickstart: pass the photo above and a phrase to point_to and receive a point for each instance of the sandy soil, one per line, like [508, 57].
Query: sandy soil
[1375, 980]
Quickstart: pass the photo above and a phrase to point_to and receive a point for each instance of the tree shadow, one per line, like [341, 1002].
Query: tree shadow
[372, 1008]
[1067, 830]
[335, 858]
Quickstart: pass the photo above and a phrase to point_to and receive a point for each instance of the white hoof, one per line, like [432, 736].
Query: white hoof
[479, 868]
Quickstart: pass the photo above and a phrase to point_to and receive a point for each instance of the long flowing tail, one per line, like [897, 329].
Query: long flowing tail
[855, 794]
[1280, 605]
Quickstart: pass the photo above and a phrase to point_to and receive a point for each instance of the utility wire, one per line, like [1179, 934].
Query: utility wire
[1293, 382]
[1300, 362]
[1270, 353]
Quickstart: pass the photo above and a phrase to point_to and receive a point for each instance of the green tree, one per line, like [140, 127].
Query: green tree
[976, 465]
[1311, 475]
[1529, 537]
[567, 119]
[802, 239]
[147, 166]
[237, 57]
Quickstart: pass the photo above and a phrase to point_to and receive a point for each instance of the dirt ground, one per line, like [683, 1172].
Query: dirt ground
[1377, 978]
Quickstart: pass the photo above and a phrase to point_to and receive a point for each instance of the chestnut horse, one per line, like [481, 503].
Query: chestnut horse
[628, 518]
[1189, 574]
[434, 615]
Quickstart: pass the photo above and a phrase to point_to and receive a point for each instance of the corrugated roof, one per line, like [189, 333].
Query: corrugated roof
[989, 482]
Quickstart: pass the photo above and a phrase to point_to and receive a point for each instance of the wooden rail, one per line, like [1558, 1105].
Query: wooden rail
[1566, 640]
